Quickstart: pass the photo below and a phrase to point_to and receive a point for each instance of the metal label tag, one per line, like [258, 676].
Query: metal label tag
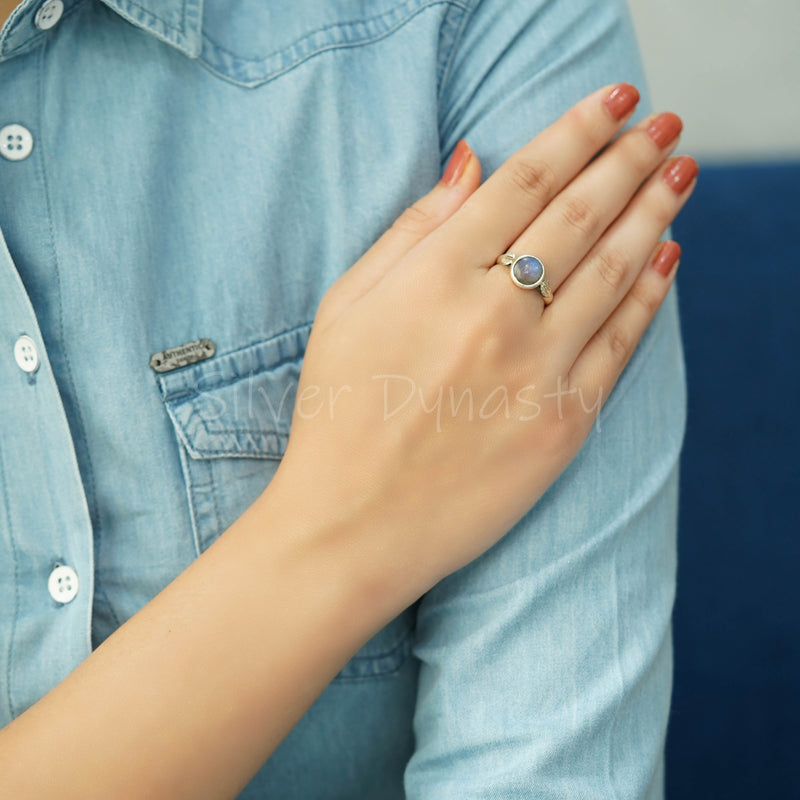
[182, 356]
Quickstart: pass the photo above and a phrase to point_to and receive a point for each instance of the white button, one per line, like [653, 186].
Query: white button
[49, 14]
[16, 142]
[63, 584]
[26, 355]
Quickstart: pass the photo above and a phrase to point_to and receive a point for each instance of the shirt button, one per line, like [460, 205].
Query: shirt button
[49, 14]
[16, 142]
[63, 584]
[26, 355]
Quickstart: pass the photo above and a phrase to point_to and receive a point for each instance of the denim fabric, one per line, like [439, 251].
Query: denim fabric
[206, 170]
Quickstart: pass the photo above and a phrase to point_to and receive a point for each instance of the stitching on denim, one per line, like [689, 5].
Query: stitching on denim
[217, 519]
[190, 394]
[91, 490]
[412, 11]
[12, 632]
[301, 59]
[132, 4]
[268, 451]
[393, 649]
[186, 39]
[265, 454]
[236, 431]
[294, 329]
[42, 173]
[175, 396]
[367, 668]
[188, 486]
[264, 430]
[146, 12]
[446, 64]
[197, 18]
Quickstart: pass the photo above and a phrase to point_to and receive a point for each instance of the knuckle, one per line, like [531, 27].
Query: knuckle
[662, 210]
[585, 123]
[618, 342]
[415, 220]
[641, 152]
[536, 179]
[578, 215]
[612, 266]
[646, 298]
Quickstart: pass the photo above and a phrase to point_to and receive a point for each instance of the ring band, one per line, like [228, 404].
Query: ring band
[527, 272]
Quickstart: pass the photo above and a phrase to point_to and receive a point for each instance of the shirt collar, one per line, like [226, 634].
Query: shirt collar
[176, 22]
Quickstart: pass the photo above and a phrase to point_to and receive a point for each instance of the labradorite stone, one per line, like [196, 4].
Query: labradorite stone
[528, 270]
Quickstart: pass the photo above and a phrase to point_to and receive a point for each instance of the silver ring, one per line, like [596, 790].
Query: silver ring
[527, 272]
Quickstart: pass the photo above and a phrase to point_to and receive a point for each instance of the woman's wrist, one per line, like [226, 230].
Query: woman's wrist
[195, 691]
[347, 542]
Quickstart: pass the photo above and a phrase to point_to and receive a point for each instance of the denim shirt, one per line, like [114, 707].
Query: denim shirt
[183, 171]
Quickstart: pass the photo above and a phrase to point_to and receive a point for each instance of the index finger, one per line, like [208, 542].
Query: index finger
[497, 213]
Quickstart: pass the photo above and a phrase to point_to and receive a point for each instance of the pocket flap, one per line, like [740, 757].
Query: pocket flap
[239, 404]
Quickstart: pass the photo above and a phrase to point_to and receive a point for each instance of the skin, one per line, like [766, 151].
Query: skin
[181, 702]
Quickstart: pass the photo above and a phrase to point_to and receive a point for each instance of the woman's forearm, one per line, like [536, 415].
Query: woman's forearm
[369, 509]
[192, 694]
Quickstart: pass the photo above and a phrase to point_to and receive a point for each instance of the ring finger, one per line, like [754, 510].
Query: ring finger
[573, 222]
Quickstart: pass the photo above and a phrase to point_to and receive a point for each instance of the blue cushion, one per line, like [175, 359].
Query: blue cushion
[735, 727]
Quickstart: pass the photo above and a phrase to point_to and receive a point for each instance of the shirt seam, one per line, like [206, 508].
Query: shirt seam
[447, 62]
[185, 38]
[286, 64]
[421, 5]
[87, 481]
[185, 395]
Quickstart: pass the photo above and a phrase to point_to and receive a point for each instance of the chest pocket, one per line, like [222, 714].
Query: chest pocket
[253, 42]
[231, 415]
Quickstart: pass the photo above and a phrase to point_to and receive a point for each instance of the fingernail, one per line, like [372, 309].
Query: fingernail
[622, 100]
[666, 258]
[664, 128]
[680, 173]
[457, 164]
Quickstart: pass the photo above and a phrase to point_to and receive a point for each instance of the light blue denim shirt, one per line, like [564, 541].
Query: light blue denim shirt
[179, 170]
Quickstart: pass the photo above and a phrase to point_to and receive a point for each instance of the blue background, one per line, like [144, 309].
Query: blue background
[735, 726]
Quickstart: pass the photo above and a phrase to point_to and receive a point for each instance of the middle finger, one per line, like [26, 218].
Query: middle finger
[576, 218]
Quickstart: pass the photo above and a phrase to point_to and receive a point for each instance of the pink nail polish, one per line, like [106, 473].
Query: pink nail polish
[680, 172]
[457, 164]
[666, 258]
[664, 128]
[622, 100]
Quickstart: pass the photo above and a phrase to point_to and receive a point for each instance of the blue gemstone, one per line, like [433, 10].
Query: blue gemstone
[528, 270]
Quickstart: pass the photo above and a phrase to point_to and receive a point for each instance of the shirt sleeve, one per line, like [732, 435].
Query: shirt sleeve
[546, 665]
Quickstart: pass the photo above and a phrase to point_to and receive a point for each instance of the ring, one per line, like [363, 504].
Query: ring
[527, 272]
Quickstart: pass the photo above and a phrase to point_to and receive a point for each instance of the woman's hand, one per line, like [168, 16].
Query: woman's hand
[438, 401]
[436, 404]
